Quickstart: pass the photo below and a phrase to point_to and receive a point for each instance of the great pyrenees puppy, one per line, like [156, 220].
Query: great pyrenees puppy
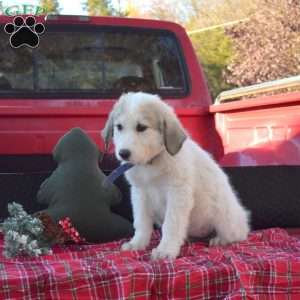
[174, 183]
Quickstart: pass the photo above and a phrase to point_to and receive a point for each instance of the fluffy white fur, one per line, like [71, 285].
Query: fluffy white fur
[174, 182]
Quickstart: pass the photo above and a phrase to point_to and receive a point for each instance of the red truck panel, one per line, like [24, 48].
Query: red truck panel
[261, 131]
[36, 130]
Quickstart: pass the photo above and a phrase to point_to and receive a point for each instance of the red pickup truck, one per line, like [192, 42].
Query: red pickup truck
[80, 67]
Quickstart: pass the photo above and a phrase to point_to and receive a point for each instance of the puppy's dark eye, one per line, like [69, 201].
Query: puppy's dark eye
[119, 127]
[141, 127]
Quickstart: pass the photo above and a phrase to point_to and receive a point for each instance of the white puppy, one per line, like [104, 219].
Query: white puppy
[174, 182]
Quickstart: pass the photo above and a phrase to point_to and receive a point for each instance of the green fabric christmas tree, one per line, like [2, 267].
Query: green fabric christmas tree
[79, 201]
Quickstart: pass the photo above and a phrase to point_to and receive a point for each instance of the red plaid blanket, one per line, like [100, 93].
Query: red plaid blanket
[266, 266]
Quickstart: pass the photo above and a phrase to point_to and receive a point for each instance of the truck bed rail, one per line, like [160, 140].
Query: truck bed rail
[274, 85]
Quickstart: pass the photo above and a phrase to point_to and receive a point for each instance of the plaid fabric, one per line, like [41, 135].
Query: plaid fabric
[266, 266]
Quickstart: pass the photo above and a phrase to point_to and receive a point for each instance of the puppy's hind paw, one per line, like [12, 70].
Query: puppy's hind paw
[216, 241]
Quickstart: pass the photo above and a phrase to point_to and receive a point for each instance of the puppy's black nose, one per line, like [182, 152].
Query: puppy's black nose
[124, 153]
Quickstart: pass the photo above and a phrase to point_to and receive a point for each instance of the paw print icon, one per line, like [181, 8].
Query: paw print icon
[24, 32]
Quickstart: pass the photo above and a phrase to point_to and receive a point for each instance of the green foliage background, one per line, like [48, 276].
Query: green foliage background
[51, 6]
[215, 51]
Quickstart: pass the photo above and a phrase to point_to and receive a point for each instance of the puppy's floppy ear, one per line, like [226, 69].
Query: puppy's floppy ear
[107, 131]
[174, 134]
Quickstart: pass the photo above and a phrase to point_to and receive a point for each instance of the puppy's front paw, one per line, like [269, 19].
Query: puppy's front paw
[134, 244]
[165, 252]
